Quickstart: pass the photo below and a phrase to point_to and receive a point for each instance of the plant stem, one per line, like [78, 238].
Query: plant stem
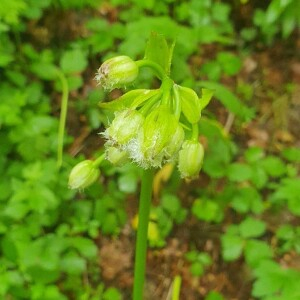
[63, 116]
[177, 102]
[141, 242]
[98, 161]
[176, 287]
[154, 66]
[195, 132]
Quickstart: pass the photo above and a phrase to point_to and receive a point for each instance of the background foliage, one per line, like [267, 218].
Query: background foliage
[50, 237]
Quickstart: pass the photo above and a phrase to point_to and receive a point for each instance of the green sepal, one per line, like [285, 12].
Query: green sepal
[132, 99]
[205, 97]
[190, 103]
[157, 50]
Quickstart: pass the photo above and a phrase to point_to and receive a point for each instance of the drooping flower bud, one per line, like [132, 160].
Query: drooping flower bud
[175, 143]
[124, 126]
[190, 159]
[83, 175]
[116, 156]
[158, 129]
[117, 72]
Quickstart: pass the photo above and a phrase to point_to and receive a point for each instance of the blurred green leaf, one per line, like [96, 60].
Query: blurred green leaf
[250, 228]
[229, 100]
[232, 247]
[157, 50]
[239, 172]
[73, 61]
[207, 210]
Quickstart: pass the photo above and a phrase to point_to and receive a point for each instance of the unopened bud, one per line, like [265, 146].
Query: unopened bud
[158, 130]
[190, 159]
[124, 126]
[83, 175]
[116, 156]
[117, 72]
[175, 143]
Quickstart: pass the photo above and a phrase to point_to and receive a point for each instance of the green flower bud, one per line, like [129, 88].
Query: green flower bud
[124, 126]
[190, 159]
[175, 143]
[83, 175]
[117, 72]
[116, 156]
[158, 130]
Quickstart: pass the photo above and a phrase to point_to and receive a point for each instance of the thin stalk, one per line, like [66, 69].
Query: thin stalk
[99, 160]
[177, 102]
[195, 132]
[63, 116]
[166, 86]
[160, 72]
[176, 287]
[141, 242]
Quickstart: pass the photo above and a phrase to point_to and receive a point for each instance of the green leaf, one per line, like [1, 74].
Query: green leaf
[230, 63]
[239, 172]
[197, 269]
[247, 199]
[259, 176]
[207, 210]
[212, 295]
[112, 294]
[274, 166]
[229, 100]
[292, 154]
[131, 99]
[85, 246]
[73, 264]
[157, 50]
[73, 61]
[190, 103]
[41, 275]
[191, 256]
[256, 251]
[254, 154]
[204, 258]
[44, 70]
[212, 70]
[205, 98]
[250, 228]
[269, 279]
[232, 247]
[9, 249]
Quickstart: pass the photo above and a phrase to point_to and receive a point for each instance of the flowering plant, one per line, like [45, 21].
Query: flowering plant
[150, 127]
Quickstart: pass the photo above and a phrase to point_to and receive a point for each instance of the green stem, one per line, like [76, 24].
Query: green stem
[176, 288]
[63, 116]
[151, 64]
[177, 102]
[99, 160]
[142, 233]
[195, 132]
[166, 86]
[144, 110]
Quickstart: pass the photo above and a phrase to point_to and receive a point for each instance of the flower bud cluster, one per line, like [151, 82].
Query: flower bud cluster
[151, 127]
[149, 140]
